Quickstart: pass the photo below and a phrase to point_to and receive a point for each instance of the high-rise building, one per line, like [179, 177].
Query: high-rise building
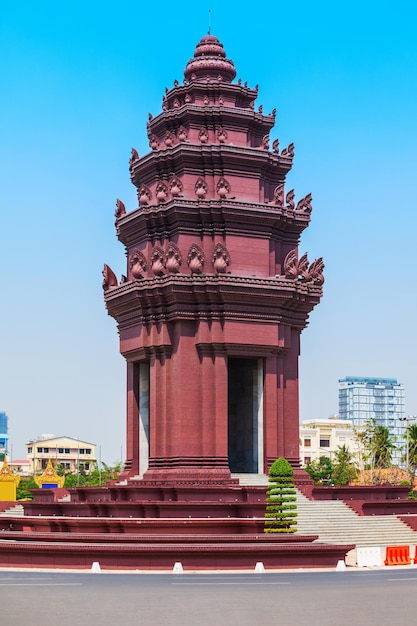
[4, 435]
[362, 399]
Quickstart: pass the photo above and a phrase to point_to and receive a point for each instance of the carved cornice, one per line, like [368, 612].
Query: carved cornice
[230, 117]
[238, 349]
[214, 159]
[213, 217]
[148, 353]
[172, 297]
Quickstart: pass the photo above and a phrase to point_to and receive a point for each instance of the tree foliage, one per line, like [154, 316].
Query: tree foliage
[341, 469]
[320, 471]
[281, 507]
[376, 445]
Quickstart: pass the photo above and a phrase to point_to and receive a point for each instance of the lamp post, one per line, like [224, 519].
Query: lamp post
[407, 419]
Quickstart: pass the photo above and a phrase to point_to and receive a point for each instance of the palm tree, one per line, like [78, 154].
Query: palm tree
[382, 446]
[344, 467]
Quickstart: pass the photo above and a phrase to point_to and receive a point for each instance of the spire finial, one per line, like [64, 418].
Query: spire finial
[209, 22]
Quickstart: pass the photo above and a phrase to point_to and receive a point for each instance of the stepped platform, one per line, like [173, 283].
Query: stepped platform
[163, 555]
[163, 509]
[150, 527]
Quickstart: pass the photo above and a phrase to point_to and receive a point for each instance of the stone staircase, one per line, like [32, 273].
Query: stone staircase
[335, 522]
[251, 479]
[16, 510]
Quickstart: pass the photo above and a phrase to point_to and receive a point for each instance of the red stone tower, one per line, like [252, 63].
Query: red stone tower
[215, 298]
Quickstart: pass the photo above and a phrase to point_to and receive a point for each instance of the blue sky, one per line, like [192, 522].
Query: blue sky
[78, 80]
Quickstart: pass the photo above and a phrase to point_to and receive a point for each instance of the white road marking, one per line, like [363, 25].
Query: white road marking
[40, 584]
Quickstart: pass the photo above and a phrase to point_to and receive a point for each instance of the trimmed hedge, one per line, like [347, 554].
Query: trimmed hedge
[281, 509]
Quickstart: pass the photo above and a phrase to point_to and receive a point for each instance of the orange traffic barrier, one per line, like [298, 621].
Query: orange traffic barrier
[398, 555]
[415, 556]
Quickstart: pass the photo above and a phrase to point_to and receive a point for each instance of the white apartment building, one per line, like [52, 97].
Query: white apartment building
[72, 454]
[323, 438]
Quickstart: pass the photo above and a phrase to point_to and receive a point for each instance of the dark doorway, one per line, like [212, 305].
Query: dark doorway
[243, 408]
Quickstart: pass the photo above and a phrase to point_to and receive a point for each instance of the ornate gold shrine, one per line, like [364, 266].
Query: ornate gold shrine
[8, 483]
[49, 478]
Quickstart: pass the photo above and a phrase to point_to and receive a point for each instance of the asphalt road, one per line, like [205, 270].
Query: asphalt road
[376, 597]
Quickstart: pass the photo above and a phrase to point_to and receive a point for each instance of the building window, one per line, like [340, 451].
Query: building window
[88, 450]
[66, 466]
[67, 450]
[82, 451]
[40, 449]
[307, 442]
[30, 450]
[46, 450]
[60, 450]
[324, 443]
[307, 460]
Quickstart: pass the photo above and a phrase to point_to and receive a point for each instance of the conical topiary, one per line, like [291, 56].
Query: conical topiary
[281, 507]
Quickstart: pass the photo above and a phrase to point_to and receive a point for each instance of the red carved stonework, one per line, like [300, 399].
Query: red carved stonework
[109, 278]
[212, 346]
[173, 258]
[137, 264]
[157, 261]
[196, 259]
[220, 258]
[200, 188]
[144, 195]
[120, 209]
[176, 186]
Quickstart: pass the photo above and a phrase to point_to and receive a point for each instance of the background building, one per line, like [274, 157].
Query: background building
[382, 399]
[4, 435]
[72, 454]
[323, 438]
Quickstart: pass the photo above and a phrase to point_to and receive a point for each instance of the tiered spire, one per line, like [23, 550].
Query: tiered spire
[210, 62]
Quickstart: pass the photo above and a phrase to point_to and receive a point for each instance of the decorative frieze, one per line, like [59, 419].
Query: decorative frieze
[223, 188]
[301, 269]
[196, 259]
[173, 258]
[109, 278]
[203, 135]
[200, 188]
[137, 263]
[120, 209]
[144, 195]
[133, 157]
[161, 191]
[169, 139]
[154, 142]
[222, 135]
[175, 186]
[305, 204]
[220, 258]
[157, 261]
[182, 133]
